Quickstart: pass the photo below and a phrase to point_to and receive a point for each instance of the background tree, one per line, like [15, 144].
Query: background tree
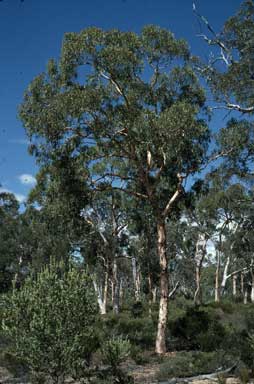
[10, 249]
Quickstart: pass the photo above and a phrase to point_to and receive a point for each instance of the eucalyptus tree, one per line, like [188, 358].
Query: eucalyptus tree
[106, 248]
[53, 211]
[230, 70]
[128, 107]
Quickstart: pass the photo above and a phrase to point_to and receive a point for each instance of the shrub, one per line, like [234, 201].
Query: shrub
[138, 355]
[51, 320]
[140, 331]
[137, 309]
[186, 364]
[114, 352]
[198, 329]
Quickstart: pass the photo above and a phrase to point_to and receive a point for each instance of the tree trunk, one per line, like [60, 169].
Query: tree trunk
[252, 287]
[217, 279]
[16, 276]
[105, 294]
[150, 294]
[154, 295]
[234, 290]
[242, 284]
[121, 291]
[136, 278]
[101, 300]
[160, 347]
[116, 289]
[225, 276]
[199, 258]
[245, 296]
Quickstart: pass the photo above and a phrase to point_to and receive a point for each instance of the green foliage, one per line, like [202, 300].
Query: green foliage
[116, 350]
[185, 364]
[9, 239]
[140, 331]
[198, 329]
[138, 355]
[137, 309]
[52, 321]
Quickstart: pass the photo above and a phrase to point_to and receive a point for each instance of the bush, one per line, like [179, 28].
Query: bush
[137, 309]
[198, 329]
[186, 364]
[51, 320]
[140, 331]
[114, 352]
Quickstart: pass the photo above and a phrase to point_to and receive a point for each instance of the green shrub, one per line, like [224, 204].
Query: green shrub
[52, 322]
[186, 364]
[138, 355]
[140, 331]
[114, 352]
[225, 306]
[198, 329]
[137, 309]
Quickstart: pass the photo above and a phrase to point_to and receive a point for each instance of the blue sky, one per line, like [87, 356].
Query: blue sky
[32, 32]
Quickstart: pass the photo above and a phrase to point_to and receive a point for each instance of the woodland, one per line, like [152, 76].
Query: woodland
[135, 247]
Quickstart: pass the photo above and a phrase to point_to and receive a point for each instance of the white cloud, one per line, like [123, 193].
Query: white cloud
[21, 198]
[27, 179]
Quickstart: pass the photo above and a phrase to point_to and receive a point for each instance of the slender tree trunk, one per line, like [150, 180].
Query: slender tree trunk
[244, 289]
[242, 284]
[150, 294]
[99, 297]
[116, 289]
[162, 321]
[172, 293]
[198, 291]
[199, 258]
[252, 287]
[217, 279]
[136, 278]
[112, 290]
[105, 294]
[225, 276]
[16, 276]
[121, 291]
[154, 295]
[234, 289]
[245, 296]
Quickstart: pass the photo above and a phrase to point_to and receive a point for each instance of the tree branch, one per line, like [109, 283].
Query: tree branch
[116, 85]
[235, 107]
[175, 196]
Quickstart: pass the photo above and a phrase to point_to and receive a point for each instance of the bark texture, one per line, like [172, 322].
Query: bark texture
[199, 258]
[163, 309]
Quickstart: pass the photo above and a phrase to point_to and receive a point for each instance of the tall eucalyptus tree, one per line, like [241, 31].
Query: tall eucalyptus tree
[128, 107]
